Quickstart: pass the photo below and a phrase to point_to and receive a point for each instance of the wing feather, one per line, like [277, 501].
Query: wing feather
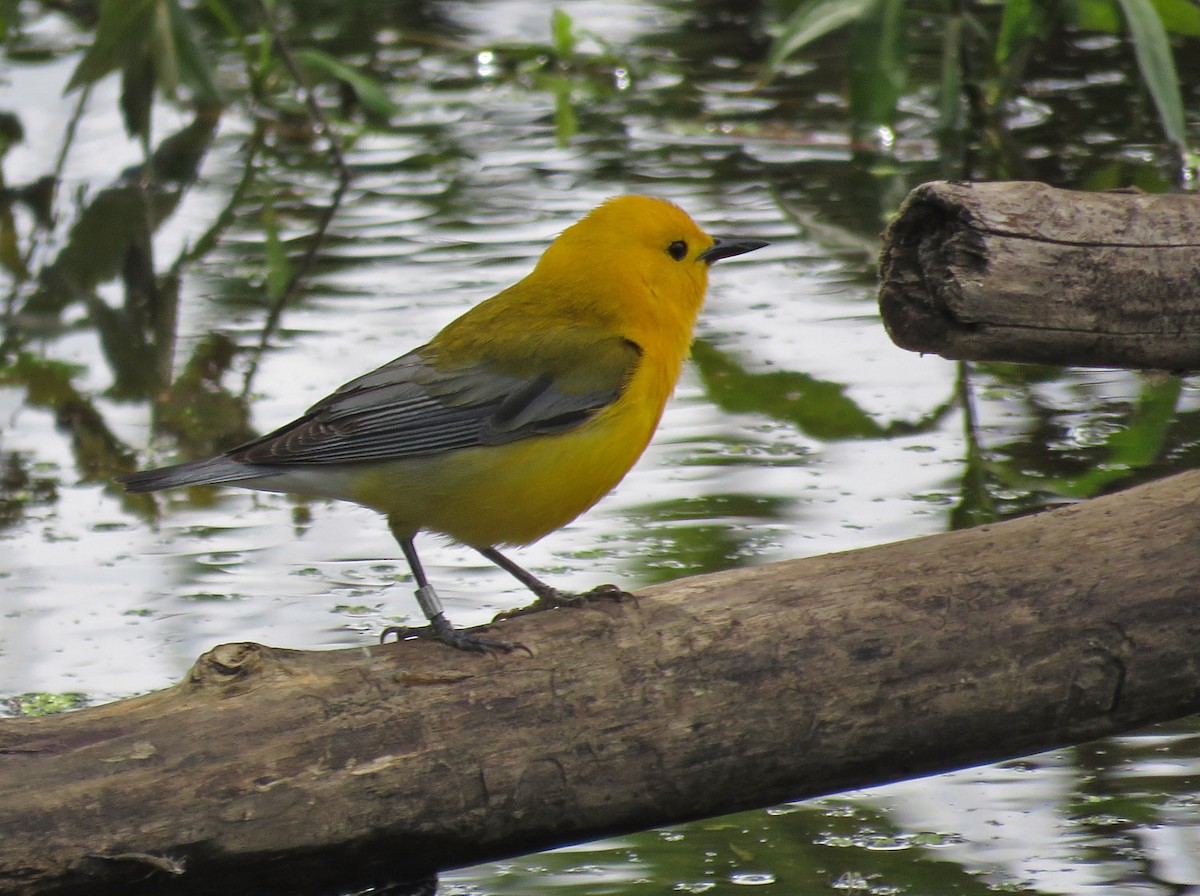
[412, 407]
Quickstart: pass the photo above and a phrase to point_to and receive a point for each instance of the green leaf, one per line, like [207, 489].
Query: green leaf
[369, 91]
[975, 506]
[122, 33]
[950, 102]
[1179, 16]
[1095, 15]
[818, 408]
[279, 270]
[193, 65]
[10, 245]
[163, 51]
[878, 64]
[1141, 441]
[229, 24]
[1016, 27]
[198, 411]
[12, 131]
[10, 17]
[562, 32]
[44, 704]
[1134, 447]
[131, 32]
[1153, 52]
[137, 96]
[566, 125]
[811, 21]
[48, 384]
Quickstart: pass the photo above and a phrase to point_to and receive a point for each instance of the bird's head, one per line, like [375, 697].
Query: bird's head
[645, 257]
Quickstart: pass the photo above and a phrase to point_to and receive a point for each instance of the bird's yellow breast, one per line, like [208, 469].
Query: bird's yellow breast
[516, 493]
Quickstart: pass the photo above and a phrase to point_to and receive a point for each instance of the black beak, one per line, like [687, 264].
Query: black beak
[729, 246]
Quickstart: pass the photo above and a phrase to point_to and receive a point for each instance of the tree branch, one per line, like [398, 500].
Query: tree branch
[308, 772]
[1026, 272]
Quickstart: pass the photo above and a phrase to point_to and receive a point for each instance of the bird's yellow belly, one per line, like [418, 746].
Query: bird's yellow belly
[515, 493]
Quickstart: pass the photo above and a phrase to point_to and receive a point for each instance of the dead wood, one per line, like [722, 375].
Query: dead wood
[1025, 272]
[314, 772]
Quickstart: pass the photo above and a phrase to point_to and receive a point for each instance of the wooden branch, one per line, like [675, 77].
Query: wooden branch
[305, 772]
[1026, 272]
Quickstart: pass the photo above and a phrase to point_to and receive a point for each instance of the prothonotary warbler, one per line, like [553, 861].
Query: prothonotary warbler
[515, 418]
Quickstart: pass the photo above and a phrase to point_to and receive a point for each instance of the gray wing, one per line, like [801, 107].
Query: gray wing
[408, 408]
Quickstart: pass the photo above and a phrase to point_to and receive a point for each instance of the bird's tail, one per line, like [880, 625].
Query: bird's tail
[198, 472]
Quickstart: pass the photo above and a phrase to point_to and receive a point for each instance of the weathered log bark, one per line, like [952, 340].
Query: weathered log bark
[306, 772]
[1026, 272]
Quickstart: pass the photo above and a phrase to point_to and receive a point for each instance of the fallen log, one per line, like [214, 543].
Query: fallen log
[1025, 272]
[315, 772]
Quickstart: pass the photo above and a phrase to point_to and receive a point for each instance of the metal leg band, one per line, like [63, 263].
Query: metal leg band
[431, 604]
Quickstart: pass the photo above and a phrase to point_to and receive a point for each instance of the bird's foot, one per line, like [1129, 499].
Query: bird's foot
[548, 598]
[608, 592]
[440, 628]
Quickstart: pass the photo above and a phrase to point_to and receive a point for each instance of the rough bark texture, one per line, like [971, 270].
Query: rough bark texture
[1026, 272]
[309, 772]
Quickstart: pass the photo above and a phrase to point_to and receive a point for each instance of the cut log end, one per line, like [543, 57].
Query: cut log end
[931, 243]
[1029, 273]
[313, 771]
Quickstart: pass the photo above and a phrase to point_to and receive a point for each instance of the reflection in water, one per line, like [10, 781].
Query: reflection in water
[799, 429]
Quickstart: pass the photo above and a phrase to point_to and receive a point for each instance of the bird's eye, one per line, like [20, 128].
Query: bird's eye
[677, 250]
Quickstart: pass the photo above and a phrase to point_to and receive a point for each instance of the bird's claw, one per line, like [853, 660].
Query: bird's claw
[440, 629]
[600, 592]
[608, 592]
[552, 597]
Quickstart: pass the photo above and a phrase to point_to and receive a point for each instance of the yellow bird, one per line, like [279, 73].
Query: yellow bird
[515, 418]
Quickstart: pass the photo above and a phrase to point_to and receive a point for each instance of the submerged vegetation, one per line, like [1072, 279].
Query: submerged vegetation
[985, 58]
[301, 84]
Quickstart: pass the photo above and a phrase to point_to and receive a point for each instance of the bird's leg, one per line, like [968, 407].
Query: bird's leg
[547, 595]
[431, 605]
